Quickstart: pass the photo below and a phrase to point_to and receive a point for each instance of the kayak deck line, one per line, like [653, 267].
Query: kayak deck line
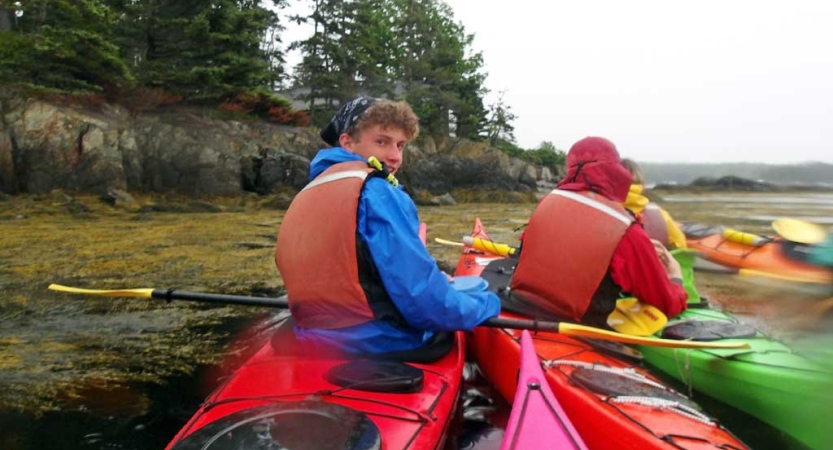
[587, 395]
[645, 421]
[420, 417]
[537, 416]
[316, 395]
[770, 381]
[736, 355]
[625, 372]
[666, 405]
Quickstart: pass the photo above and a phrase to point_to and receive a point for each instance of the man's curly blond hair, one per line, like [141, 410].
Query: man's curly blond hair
[388, 114]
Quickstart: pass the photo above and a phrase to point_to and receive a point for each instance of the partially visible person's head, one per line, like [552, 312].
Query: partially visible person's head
[593, 164]
[635, 170]
[373, 127]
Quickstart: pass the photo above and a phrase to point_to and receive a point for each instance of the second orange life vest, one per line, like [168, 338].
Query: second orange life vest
[567, 249]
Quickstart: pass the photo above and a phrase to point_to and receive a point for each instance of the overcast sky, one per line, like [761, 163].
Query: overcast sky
[665, 80]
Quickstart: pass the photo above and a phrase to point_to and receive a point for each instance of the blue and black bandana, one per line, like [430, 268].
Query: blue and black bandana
[345, 118]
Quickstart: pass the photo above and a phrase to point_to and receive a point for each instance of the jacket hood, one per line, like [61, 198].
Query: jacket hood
[326, 158]
[593, 164]
[636, 202]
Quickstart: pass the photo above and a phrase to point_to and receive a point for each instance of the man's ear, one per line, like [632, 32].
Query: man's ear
[346, 141]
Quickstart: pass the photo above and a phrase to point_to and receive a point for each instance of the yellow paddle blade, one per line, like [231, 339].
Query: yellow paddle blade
[776, 276]
[636, 318]
[447, 242]
[139, 293]
[572, 329]
[799, 231]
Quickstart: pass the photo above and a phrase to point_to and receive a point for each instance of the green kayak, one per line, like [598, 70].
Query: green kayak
[769, 381]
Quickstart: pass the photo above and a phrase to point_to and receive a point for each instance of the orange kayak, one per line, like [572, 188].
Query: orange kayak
[613, 402]
[773, 257]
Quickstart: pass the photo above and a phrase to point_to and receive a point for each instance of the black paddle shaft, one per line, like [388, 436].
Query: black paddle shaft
[521, 324]
[283, 302]
[268, 302]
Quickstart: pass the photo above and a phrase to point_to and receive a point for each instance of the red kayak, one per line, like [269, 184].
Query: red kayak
[537, 419]
[613, 402]
[294, 396]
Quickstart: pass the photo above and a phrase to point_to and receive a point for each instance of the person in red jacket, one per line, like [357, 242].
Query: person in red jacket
[582, 250]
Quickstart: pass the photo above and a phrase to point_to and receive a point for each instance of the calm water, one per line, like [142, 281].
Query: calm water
[127, 396]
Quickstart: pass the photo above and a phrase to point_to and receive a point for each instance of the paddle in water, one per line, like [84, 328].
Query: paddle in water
[570, 329]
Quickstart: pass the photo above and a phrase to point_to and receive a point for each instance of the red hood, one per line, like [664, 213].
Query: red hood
[593, 164]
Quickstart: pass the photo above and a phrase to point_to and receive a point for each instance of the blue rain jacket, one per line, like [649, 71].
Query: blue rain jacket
[389, 225]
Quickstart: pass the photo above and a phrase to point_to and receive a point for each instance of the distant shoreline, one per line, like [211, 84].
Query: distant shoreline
[809, 173]
[733, 183]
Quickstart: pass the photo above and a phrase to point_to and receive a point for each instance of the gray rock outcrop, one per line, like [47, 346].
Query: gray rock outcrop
[731, 183]
[44, 146]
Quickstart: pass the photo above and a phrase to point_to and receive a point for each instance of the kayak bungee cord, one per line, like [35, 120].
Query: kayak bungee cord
[666, 405]
[625, 372]
[630, 374]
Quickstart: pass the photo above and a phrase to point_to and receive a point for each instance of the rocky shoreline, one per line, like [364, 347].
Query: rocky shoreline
[186, 151]
[189, 152]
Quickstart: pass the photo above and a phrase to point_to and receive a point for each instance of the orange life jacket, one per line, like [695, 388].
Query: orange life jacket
[327, 271]
[567, 249]
[654, 224]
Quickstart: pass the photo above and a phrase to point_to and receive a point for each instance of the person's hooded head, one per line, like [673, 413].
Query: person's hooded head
[593, 164]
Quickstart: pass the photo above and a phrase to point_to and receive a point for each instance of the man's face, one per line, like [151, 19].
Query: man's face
[385, 144]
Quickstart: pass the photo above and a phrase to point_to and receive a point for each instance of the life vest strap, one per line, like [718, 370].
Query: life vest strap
[360, 174]
[594, 204]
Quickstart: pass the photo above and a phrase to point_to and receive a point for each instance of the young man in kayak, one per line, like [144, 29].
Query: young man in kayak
[357, 274]
[582, 249]
[657, 223]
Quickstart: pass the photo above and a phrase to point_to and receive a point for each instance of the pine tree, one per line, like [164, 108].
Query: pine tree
[63, 45]
[499, 126]
[411, 49]
[207, 49]
[440, 79]
[319, 70]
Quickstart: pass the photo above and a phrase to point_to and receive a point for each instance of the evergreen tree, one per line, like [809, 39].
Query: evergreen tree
[371, 45]
[319, 71]
[206, 49]
[439, 77]
[411, 49]
[62, 44]
[352, 51]
[499, 126]
[471, 115]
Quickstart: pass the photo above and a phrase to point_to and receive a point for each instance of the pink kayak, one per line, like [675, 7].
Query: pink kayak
[537, 419]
